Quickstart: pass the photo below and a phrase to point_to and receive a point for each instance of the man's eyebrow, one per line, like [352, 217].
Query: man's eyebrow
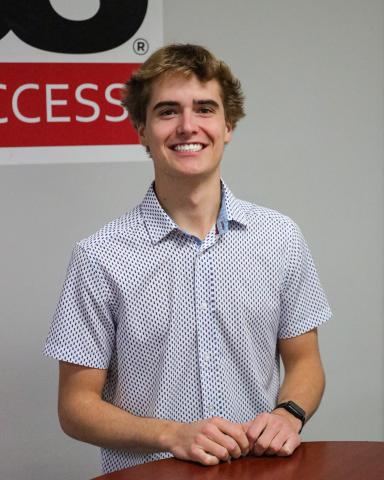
[172, 103]
[166, 103]
[210, 102]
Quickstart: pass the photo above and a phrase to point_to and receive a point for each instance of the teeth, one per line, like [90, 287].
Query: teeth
[188, 147]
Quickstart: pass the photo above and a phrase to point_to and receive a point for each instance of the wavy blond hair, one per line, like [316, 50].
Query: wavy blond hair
[188, 60]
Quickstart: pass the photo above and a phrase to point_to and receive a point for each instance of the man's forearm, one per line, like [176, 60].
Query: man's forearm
[85, 416]
[304, 378]
[304, 384]
[92, 420]
[206, 441]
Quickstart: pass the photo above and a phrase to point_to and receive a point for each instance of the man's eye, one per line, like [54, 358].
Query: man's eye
[205, 110]
[168, 112]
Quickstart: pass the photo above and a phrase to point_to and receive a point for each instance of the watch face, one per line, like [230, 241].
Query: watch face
[294, 408]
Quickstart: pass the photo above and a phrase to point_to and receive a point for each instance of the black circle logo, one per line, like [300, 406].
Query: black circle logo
[39, 25]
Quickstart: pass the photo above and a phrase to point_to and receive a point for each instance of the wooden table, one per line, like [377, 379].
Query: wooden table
[311, 461]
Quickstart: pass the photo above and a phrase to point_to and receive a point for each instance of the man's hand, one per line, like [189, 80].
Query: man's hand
[273, 433]
[209, 441]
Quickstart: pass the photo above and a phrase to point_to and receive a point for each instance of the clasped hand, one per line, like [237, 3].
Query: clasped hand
[217, 439]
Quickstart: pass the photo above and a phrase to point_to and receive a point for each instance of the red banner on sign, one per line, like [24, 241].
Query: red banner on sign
[59, 104]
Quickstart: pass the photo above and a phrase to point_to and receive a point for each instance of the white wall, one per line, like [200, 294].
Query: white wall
[311, 146]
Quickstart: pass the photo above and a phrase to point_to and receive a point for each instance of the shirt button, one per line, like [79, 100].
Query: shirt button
[207, 356]
[211, 408]
[204, 305]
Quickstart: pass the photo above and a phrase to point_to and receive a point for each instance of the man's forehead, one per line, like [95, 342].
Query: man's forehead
[169, 83]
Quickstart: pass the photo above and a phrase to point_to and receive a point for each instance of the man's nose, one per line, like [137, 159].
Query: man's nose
[187, 124]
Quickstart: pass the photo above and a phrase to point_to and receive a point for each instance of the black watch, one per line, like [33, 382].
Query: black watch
[295, 410]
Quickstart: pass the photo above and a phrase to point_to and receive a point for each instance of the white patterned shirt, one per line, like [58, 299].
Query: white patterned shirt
[187, 329]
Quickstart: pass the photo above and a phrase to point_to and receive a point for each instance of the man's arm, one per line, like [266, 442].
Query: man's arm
[85, 416]
[304, 381]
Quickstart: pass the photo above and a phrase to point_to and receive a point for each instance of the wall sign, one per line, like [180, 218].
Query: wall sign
[62, 65]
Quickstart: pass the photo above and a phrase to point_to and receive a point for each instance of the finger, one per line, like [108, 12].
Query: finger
[256, 428]
[246, 425]
[277, 443]
[213, 448]
[201, 456]
[212, 431]
[237, 433]
[289, 446]
[262, 443]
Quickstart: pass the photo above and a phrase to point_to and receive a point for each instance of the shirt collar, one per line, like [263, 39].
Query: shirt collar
[234, 207]
[159, 224]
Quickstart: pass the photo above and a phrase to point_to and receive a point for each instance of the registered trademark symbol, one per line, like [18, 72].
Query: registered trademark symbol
[140, 46]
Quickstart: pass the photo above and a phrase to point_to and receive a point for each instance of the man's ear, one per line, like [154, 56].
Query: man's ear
[141, 132]
[228, 132]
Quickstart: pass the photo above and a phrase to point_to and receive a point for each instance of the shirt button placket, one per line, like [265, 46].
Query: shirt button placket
[206, 331]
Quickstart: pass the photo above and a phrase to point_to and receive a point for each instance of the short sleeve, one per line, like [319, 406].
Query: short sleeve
[82, 330]
[303, 302]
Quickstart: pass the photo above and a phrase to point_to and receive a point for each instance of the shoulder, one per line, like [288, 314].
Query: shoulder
[263, 218]
[125, 228]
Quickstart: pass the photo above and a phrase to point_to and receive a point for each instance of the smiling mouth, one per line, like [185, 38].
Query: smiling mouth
[188, 147]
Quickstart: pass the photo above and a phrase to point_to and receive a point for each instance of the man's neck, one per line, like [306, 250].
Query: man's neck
[193, 205]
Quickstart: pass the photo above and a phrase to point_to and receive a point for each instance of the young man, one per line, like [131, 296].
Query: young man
[173, 317]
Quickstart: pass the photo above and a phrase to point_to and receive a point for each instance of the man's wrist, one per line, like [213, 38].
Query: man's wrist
[295, 410]
[167, 438]
[296, 422]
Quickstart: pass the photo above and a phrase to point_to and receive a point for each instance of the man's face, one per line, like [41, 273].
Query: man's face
[185, 127]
